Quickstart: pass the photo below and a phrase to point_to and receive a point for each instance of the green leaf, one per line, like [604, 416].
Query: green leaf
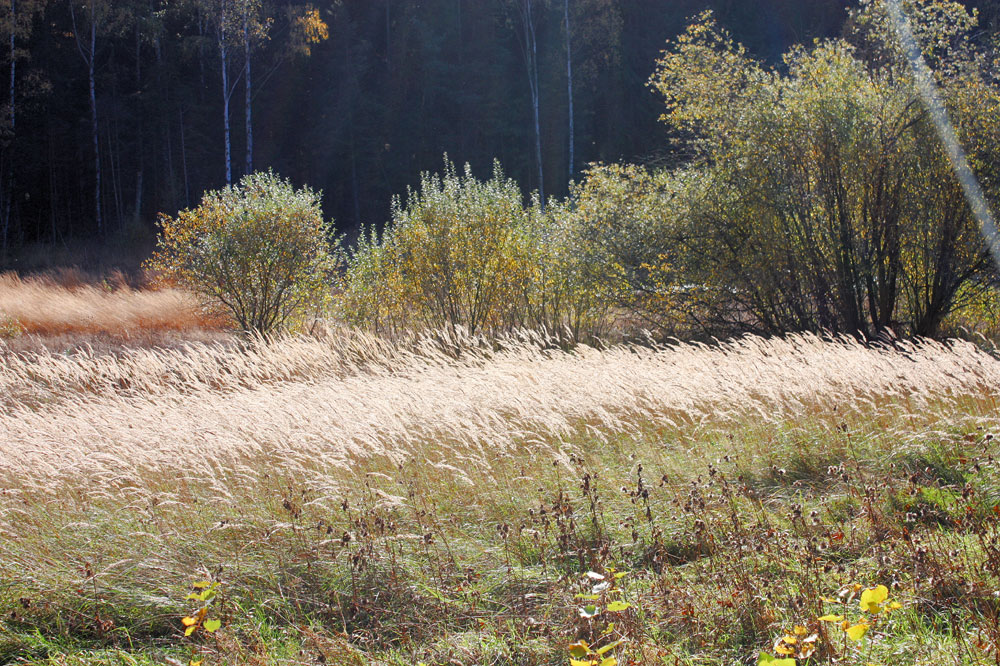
[588, 597]
[618, 606]
[190, 630]
[767, 660]
[202, 584]
[212, 625]
[589, 611]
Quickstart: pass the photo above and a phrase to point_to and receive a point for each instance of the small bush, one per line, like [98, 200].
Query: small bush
[258, 251]
[469, 253]
[631, 230]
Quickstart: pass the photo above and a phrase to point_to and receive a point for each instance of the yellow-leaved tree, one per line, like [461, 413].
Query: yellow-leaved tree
[828, 200]
[259, 252]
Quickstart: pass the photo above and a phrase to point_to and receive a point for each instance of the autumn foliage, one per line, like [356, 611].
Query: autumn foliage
[259, 251]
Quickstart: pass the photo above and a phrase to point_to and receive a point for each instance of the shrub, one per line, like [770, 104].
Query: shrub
[469, 253]
[630, 229]
[258, 251]
[830, 202]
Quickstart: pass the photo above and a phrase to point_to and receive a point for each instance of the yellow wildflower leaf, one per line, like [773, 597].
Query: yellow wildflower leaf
[872, 598]
[858, 631]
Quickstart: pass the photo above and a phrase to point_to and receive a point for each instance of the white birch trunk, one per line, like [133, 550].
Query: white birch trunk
[569, 86]
[93, 119]
[531, 57]
[224, 55]
[13, 118]
[249, 88]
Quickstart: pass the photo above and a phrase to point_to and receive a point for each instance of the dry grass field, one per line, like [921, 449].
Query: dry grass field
[68, 309]
[447, 501]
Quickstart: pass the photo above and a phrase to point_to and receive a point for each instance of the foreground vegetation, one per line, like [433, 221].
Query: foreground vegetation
[445, 500]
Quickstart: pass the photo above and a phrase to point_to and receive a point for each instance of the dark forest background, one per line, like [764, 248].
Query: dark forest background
[354, 98]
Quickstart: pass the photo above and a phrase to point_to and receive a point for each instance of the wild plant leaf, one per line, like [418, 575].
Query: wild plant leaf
[857, 631]
[212, 625]
[579, 649]
[589, 611]
[618, 606]
[872, 598]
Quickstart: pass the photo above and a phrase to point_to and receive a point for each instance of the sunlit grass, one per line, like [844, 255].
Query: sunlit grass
[442, 500]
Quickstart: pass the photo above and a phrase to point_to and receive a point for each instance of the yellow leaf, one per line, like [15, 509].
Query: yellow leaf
[579, 649]
[188, 621]
[872, 598]
[858, 631]
[578, 662]
[190, 630]
[799, 630]
[782, 649]
[610, 661]
[832, 618]
[790, 639]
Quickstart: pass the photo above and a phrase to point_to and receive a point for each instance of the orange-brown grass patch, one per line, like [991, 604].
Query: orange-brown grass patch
[67, 305]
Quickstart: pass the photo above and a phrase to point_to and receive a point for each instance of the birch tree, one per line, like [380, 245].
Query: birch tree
[569, 84]
[87, 46]
[256, 26]
[224, 17]
[526, 21]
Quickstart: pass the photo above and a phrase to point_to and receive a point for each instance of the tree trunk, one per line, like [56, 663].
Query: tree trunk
[224, 55]
[93, 118]
[569, 86]
[13, 118]
[531, 60]
[249, 88]
[184, 164]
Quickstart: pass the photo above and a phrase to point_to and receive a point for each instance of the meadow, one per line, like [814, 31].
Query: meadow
[447, 499]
